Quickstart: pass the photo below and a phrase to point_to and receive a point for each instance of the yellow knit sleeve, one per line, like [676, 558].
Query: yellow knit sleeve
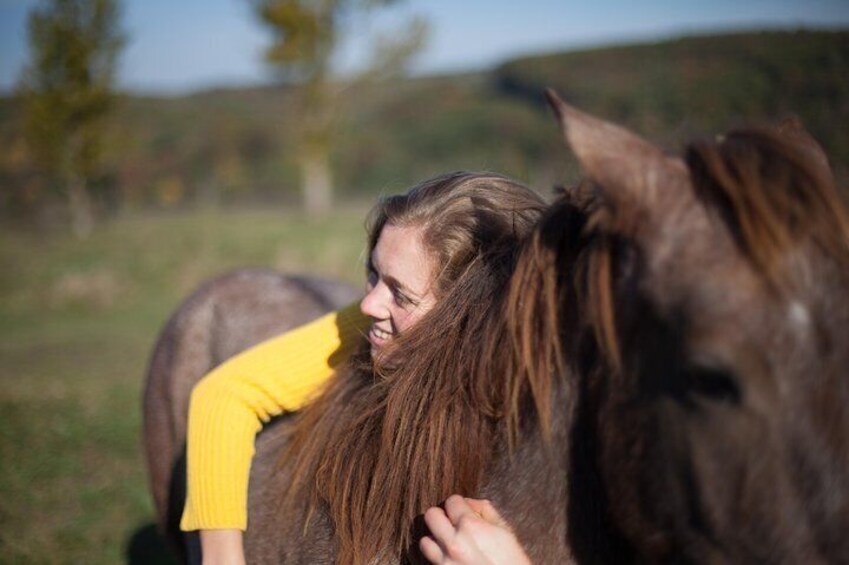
[229, 405]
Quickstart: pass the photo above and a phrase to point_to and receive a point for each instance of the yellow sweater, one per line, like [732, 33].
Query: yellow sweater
[230, 404]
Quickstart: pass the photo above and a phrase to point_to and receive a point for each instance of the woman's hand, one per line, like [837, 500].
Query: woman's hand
[470, 531]
[222, 547]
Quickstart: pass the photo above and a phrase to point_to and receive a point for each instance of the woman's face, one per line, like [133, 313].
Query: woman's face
[400, 277]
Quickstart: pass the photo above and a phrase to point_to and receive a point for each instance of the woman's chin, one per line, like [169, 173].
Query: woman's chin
[379, 350]
[376, 346]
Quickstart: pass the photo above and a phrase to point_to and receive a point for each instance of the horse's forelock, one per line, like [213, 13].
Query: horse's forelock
[772, 190]
[775, 199]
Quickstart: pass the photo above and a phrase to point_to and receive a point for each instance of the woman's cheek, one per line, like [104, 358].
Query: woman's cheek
[403, 319]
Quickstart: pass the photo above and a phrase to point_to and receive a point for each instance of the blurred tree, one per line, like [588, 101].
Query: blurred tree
[306, 35]
[67, 90]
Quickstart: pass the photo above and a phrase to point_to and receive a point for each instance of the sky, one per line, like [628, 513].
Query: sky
[178, 46]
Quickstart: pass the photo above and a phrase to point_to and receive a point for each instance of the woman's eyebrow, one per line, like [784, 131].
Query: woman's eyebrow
[398, 285]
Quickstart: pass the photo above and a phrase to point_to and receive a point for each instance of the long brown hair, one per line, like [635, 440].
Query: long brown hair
[384, 443]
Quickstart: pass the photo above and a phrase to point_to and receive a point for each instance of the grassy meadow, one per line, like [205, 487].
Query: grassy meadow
[77, 323]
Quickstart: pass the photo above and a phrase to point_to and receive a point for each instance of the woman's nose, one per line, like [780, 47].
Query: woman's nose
[373, 303]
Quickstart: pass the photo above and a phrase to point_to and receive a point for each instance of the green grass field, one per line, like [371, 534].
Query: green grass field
[77, 323]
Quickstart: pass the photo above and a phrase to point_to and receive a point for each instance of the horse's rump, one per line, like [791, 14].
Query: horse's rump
[222, 318]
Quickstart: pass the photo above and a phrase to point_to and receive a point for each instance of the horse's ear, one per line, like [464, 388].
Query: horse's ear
[794, 131]
[631, 172]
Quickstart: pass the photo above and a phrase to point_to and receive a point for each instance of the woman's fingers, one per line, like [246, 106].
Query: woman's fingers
[486, 510]
[449, 544]
[439, 525]
[457, 508]
[470, 531]
[431, 550]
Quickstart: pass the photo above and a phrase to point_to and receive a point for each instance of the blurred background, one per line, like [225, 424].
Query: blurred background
[148, 145]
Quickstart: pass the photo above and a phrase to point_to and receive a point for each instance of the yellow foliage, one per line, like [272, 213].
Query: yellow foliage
[170, 191]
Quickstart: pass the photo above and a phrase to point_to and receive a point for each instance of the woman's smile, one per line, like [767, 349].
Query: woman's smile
[378, 337]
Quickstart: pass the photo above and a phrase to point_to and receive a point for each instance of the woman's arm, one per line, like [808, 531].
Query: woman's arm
[229, 406]
[222, 547]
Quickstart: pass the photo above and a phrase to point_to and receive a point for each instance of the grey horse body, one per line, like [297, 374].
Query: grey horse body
[233, 312]
[222, 318]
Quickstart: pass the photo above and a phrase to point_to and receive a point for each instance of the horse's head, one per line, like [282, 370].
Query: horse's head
[714, 291]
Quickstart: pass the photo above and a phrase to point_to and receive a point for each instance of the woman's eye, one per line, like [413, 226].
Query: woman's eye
[401, 300]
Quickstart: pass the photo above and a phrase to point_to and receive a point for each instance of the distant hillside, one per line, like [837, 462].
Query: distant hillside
[236, 145]
[703, 84]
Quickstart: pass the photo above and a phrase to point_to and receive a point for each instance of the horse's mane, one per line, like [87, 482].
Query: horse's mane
[381, 446]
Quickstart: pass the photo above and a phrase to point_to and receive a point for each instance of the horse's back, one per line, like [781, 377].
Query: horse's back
[275, 537]
[222, 318]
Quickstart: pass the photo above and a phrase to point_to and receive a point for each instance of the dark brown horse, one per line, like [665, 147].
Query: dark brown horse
[667, 363]
[700, 305]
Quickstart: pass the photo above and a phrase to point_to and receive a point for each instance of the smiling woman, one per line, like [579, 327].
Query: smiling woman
[442, 249]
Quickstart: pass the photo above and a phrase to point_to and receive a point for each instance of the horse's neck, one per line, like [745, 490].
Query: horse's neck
[529, 487]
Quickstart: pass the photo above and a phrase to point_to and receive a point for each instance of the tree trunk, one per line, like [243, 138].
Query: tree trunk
[316, 181]
[80, 206]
